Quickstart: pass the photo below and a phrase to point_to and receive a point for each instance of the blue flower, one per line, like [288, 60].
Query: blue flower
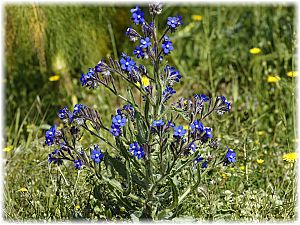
[127, 64]
[230, 156]
[77, 108]
[96, 154]
[170, 124]
[228, 104]
[77, 164]
[62, 113]
[207, 131]
[138, 51]
[179, 131]
[158, 123]
[192, 146]
[172, 74]
[197, 125]
[167, 93]
[50, 135]
[137, 15]
[115, 130]
[52, 157]
[167, 45]
[204, 164]
[145, 42]
[136, 150]
[174, 22]
[98, 66]
[198, 159]
[119, 121]
[88, 76]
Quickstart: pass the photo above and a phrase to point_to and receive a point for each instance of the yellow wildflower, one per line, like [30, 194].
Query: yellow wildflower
[54, 78]
[196, 17]
[77, 207]
[273, 79]
[23, 189]
[8, 148]
[145, 82]
[260, 133]
[224, 175]
[242, 167]
[290, 157]
[260, 161]
[292, 74]
[186, 127]
[255, 51]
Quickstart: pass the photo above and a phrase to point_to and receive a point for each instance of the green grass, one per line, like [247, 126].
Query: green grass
[213, 57]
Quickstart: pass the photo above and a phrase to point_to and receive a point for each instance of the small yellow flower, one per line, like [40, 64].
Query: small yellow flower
[54, 78]
[77, 207]
[292, 74]
[255, 51]
[290, 157]
[242, 167]
[145, 82]
[260, 133]
[186, 127]
[196, 17]
[232, 168]
[273, 79]
[8, 148]
[224, 175]
[260, 161]
[185, 101]
[23, 189]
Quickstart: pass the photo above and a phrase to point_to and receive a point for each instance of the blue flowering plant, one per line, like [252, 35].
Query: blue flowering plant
[152, 141]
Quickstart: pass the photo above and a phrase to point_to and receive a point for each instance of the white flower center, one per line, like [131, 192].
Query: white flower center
[167, 46]
[179, 131]
[119, 121]
[126, 63]
[96, 155]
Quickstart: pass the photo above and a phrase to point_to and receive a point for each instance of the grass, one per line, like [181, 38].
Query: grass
[213, 57]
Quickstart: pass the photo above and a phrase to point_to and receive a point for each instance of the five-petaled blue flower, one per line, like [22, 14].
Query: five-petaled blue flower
[115, 130]
[174, 22]
[118, 120]
[138, 51]
[230, 156]
[96, 154]
[197, 125]
[136, 150]
[179, 131]
[145, 42]
[50, 135]
[167, 45]
[77, 164]
[127, 64]
[158, 123]
[137, 15]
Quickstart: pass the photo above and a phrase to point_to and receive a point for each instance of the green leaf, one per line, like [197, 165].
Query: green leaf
[122, 171]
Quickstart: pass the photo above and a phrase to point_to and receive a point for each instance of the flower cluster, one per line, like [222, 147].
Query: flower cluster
[153, 140]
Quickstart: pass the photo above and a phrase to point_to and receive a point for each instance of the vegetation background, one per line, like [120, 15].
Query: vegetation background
[47, 47]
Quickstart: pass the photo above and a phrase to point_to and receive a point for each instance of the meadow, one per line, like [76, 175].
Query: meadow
[246, 52]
